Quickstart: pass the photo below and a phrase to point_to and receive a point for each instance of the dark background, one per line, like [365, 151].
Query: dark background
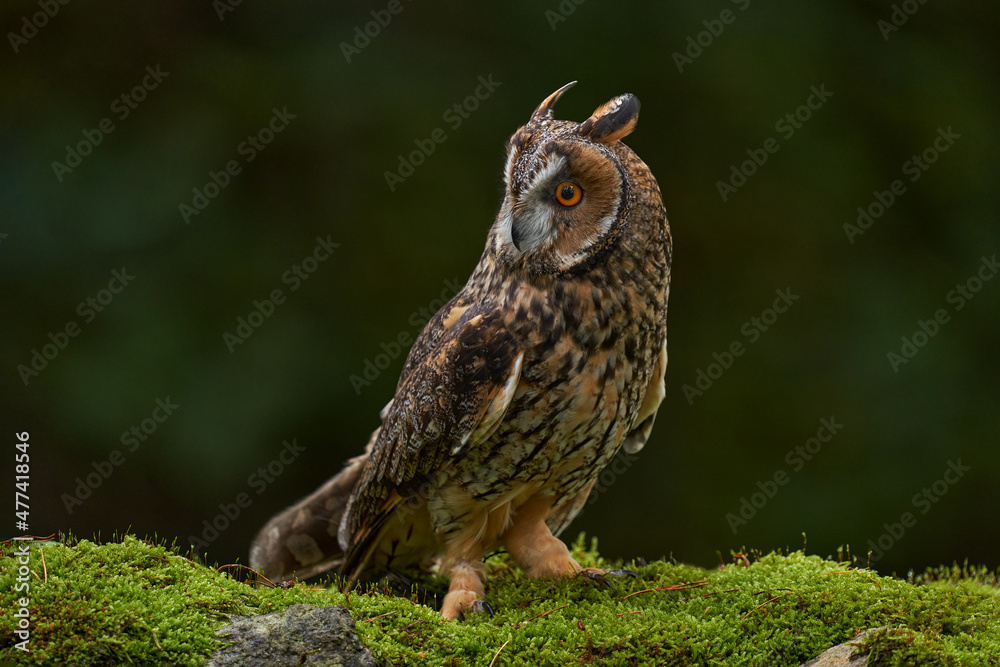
[324, 176]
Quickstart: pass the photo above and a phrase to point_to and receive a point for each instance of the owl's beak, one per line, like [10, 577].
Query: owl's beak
[528, 228]
[517, 234]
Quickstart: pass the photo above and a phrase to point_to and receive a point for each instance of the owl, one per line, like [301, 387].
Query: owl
[521, 389]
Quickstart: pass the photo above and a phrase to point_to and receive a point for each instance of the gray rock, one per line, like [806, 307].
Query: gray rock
[300, 635]
[840, 655]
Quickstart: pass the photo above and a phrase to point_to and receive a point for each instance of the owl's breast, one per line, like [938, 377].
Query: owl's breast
[589, 353]
[570, 413]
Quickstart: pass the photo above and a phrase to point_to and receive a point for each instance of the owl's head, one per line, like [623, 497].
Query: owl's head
[572, 189]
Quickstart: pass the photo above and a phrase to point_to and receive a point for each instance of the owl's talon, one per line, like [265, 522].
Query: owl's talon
[621, 573]
[596, 576]
[481, 607]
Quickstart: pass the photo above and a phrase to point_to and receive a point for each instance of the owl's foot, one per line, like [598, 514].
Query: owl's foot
[459, 603]
[465, 593]
[533, 546]
[600, 575]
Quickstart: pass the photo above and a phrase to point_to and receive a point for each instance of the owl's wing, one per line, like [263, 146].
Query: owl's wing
[655, 391]
[452, 399]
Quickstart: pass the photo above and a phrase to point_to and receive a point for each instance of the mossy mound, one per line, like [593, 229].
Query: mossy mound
[130, 601]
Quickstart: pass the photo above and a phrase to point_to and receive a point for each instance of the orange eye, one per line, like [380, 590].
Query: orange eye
[568, 193]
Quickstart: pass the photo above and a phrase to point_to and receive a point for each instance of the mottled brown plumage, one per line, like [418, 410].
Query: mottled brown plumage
[522, 388]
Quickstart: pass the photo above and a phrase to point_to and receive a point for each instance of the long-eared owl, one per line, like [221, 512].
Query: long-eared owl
[520, 389]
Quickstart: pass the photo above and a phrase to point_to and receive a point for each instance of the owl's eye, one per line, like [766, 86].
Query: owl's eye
[568, 194]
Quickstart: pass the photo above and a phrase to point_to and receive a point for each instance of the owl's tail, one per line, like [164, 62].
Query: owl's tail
[301, 541]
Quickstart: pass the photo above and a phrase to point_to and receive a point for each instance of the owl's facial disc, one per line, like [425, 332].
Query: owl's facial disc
[564, 207]
[530, 219]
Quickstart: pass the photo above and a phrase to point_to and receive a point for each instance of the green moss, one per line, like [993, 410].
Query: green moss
[130, 601]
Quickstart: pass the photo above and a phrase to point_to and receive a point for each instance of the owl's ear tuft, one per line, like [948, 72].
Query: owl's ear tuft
[612, 120]
[544, 110]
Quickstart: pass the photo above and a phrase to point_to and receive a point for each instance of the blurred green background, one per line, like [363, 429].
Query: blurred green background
[323, 176]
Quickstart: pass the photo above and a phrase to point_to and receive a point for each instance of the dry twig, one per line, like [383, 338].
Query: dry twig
[523, 623]
[674, 587]
[497, 654]
[29, 538]
[776, 597]
[375, 618]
